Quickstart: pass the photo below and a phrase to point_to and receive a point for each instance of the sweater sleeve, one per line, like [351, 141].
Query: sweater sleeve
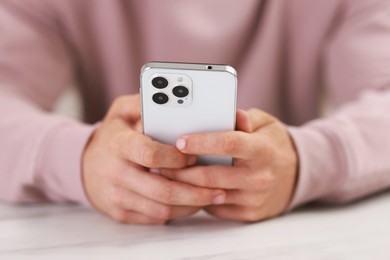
[345, 156]
[40, 153]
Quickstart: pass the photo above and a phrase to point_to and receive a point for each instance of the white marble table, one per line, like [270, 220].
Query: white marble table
[357, 231]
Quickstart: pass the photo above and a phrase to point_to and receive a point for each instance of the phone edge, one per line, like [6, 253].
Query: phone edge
[189, 66]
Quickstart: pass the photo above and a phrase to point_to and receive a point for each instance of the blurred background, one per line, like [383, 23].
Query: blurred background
[70, 104]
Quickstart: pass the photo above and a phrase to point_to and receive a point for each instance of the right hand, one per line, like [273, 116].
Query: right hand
[117, 182]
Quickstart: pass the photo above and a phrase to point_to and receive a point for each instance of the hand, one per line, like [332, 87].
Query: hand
[261, 183]
[115, 178]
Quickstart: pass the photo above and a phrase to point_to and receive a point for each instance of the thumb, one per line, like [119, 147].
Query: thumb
[126, 107]
[253, 119]
[243, 122]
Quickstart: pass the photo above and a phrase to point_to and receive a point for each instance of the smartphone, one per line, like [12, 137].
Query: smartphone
[182, 98]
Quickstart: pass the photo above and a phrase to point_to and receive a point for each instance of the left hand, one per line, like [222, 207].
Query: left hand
[261, 182]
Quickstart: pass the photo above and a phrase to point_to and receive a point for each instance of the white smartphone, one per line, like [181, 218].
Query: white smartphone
[181, 98]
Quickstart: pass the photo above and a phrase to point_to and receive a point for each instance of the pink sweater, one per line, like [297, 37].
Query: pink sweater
[288, 54]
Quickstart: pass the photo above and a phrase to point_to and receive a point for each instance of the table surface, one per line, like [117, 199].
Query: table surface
[357, 231]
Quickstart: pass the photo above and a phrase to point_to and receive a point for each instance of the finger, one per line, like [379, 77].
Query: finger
[132, 217]
[132, 201]
[236, 213]
[243, 121]
[246, 198]
[160, 189]
[182, 212]
[141, 149]
[211, 176]
[233, 143]
[127, 108]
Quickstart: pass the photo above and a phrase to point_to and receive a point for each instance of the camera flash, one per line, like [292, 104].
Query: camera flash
[180, 79]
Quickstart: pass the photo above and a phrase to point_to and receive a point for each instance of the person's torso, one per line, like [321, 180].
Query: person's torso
[276, 47]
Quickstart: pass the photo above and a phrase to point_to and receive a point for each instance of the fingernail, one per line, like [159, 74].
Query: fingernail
[181, 143]
[192, 160]
[219, 199]
[155, 170]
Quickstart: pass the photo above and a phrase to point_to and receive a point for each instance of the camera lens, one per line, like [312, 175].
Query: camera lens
[160, 98]
[180, 91]
[160, 82]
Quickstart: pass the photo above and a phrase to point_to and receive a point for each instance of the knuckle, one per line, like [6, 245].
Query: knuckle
[116, 106]
[268, 178]
[165, 195]
[116, 144]
[206, 180]
[233, 143]
[165, 213]
[250, 215]
[255, 182]
[115, 177]
[229, 144]
[118, 198]
[268, 152]
[120, 216]
[148, 156]
[259, 180]
[253, 201]
[118, 102]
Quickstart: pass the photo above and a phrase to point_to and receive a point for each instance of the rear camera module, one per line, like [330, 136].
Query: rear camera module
[160, 98]
[180, 91]
[160, 82]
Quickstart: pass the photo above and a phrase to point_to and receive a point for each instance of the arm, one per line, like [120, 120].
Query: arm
[40, 152]
[352, 146]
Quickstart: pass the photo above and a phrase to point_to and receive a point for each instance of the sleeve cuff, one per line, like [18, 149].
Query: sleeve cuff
[59, 165]
[322, 160]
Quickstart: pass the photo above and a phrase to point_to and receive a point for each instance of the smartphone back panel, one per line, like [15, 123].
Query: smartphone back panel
[209, 106]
